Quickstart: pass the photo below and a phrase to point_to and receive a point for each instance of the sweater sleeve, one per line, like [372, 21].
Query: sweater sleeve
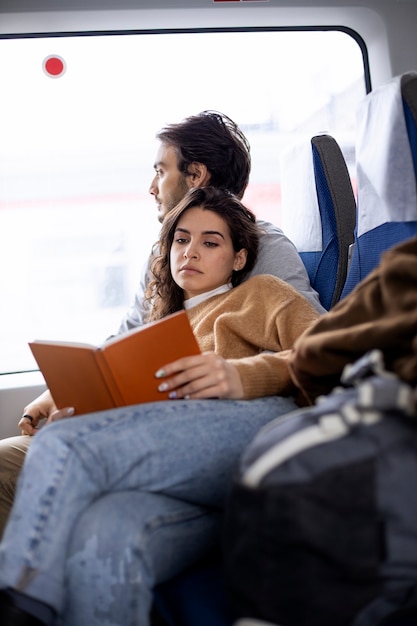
[267, 373]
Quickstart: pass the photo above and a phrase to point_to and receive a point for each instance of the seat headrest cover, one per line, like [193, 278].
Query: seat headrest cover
[301, 220]
[385, 173]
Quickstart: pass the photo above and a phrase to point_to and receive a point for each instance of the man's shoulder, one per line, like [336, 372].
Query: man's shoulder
[272, 235]
[268, 228]
[274, 249]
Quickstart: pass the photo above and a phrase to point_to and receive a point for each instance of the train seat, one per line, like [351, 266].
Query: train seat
[386, 165]
[319, 212]
[197, 596]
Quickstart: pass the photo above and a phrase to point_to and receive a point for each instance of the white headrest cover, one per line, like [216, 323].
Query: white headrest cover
[300, 210]
[385, 174]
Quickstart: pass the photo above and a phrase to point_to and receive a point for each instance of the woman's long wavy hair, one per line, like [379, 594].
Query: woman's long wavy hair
[164, 295]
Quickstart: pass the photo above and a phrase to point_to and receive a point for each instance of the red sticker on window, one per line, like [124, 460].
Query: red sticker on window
[54, 66]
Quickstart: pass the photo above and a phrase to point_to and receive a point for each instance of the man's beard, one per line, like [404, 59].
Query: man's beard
[178, 194]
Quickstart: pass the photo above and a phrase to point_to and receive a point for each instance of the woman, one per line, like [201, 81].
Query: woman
[182, 451]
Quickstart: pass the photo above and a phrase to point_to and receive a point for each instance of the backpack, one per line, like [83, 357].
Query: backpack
[321, 522]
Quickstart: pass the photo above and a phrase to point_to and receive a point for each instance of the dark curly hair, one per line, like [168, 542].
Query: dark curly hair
[163, 293]
[215, 140]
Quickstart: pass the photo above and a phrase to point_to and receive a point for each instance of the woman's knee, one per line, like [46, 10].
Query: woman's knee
[147, 529]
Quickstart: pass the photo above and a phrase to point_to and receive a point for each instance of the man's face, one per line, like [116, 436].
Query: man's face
[169, 185]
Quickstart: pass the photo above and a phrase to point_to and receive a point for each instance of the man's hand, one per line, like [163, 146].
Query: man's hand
[43, 407]
[205, 375]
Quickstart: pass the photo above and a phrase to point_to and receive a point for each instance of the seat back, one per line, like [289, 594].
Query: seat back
[319, 212]
[196, 597]
[322, 193]
[386, 164]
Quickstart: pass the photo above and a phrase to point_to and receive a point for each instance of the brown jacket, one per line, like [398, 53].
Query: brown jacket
[381, 312]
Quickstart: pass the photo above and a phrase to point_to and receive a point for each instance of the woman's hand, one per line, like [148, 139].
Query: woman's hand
[43, 407]
[205, 375]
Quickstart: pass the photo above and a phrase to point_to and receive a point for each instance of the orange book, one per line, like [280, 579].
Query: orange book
[117, 373]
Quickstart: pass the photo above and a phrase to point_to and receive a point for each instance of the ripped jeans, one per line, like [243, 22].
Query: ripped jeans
[110, 504]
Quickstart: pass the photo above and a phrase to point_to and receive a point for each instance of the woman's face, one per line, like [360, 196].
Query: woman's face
[202, 255]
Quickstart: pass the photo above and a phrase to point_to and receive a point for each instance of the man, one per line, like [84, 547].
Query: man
[204, 149]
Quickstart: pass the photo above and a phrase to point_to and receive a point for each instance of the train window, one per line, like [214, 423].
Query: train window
[78, 120]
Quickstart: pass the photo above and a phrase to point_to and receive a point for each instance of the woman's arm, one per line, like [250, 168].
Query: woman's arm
[205, 375]
[265, 333]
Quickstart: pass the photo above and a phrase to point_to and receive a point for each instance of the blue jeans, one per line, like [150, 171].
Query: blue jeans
[112, 503]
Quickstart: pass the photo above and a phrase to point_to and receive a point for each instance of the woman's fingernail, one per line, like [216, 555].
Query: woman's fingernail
[160, 374]
[71, 410]
[172, 395]
[163, 387]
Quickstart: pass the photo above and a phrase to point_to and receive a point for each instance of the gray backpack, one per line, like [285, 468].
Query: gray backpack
[321, 524]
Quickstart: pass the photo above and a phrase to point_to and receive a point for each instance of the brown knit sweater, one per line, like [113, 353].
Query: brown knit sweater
[263, 314]
[380, 313]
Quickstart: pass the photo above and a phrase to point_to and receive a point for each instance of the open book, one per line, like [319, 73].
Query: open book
[117, 373]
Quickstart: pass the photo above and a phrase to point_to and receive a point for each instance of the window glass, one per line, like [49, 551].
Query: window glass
[77, 126]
